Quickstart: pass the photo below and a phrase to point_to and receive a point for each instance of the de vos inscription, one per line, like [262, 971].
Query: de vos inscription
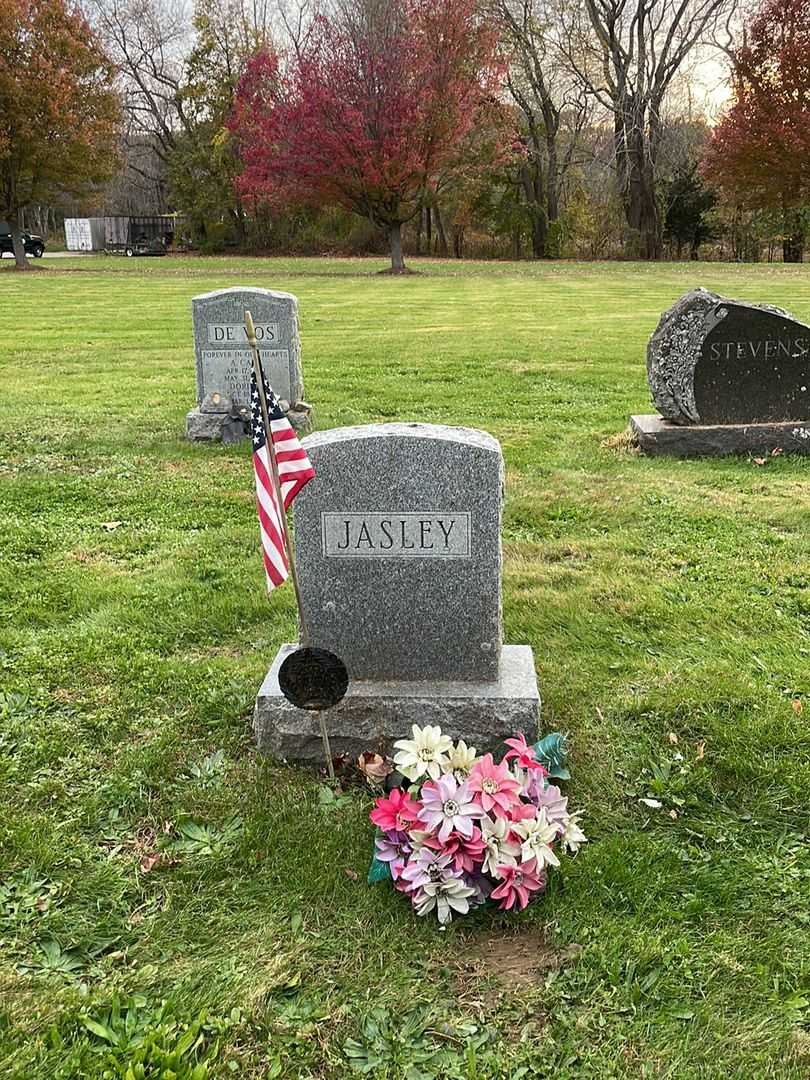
[419, 534]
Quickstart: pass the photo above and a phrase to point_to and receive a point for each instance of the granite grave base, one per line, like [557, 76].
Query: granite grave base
[656, 435]
[374, 713]
[207, 425]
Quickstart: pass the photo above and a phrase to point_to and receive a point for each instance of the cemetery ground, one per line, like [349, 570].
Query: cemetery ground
[148, 856]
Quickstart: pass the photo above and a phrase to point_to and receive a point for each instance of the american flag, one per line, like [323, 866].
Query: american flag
[294, 470]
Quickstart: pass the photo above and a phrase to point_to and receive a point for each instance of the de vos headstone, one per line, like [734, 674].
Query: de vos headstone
[224, 359]
[398, 549]
[727, 377]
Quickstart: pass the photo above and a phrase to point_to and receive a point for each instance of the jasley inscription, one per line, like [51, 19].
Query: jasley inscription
[423, 535]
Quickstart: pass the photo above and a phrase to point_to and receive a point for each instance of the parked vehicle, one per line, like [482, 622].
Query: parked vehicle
[34, 245]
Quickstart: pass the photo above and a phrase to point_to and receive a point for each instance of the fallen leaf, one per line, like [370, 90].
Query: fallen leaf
[110, 526]
[653, 804]
[149, 862]
[673, 738]
[600, 714]
[674, 815]
[701, 751]
[347, 870]
[797, 706]
[760, 460]
[777, 450]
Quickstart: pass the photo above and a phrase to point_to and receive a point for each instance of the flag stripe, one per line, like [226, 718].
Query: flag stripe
[294, 471]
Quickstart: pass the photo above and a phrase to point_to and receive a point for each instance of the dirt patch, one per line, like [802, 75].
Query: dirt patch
[515, 960]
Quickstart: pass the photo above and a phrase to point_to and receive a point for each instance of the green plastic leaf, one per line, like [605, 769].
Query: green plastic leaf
[551, 751]
[378, 871]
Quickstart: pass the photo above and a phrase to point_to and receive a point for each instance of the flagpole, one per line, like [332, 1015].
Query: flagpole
[288, 544]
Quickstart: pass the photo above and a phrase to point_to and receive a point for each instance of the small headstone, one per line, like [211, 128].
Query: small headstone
[734, 376]
[224, 360]
[399, 562]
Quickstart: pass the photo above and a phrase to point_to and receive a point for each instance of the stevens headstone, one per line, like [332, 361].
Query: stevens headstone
[727, 377]
[399, 560]
[224, 361]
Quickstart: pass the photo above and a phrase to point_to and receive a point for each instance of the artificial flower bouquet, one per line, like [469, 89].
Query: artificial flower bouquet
[456, 830]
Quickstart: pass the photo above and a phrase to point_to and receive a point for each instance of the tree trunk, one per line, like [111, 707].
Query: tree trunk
[18, 246]
[443, 249]
[395, 240]
[420, 218]
[458, 241]
[635, 174]
[428, 230]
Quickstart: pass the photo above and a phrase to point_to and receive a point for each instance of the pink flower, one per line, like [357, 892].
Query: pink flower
[466, 852]
[522, 753]
[493, 786]
[517, 883]
[521, 811]
[448, 805]
[397, 813]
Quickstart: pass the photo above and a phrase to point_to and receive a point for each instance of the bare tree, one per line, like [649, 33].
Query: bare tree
[148, 41]
[627, 54]
[552, 103]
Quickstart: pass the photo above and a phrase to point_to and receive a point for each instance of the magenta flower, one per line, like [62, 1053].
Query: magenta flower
[448, 805]
[517, 884]
[522, 753]
[397, 813]
[426, 866]
[394, 849]
[493, 786]
[466, 852]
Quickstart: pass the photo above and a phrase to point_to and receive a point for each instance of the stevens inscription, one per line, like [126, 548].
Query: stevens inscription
[421, 534]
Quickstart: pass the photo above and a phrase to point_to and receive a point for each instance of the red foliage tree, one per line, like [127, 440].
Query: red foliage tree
[760, 152]
[377, 105]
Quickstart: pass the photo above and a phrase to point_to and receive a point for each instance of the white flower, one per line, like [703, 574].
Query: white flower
[461, 759]
[538, 835]
[499, 851]
[446, 897]
[426, 752]
[573, 837]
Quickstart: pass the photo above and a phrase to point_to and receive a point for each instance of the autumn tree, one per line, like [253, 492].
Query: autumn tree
[374, 106]
[59, 111]
[760, 152]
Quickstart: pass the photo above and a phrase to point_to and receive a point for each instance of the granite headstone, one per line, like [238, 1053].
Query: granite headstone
[224, 362]
[399, 563]
[732, 376]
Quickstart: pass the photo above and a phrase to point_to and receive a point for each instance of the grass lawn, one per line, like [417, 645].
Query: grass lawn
[668, 604]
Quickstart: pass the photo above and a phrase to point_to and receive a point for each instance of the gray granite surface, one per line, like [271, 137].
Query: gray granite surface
[399, 551]
[657, 436]
[374, 714]
[221, 349]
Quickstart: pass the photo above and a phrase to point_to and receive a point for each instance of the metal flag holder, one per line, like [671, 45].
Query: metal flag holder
[309, 678]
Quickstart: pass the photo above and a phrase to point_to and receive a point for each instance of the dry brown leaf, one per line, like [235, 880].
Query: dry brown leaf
[777, 450]
[673, 738]
[797, 706]
[701, 751]
[347, 870]
[149, 862]
[674, 815]
[760, 460]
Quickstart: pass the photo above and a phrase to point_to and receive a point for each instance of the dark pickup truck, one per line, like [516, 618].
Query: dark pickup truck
[34, 245]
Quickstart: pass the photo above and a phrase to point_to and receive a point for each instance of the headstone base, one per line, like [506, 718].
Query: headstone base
[374, 714]
[658, 436]
[224, 427]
